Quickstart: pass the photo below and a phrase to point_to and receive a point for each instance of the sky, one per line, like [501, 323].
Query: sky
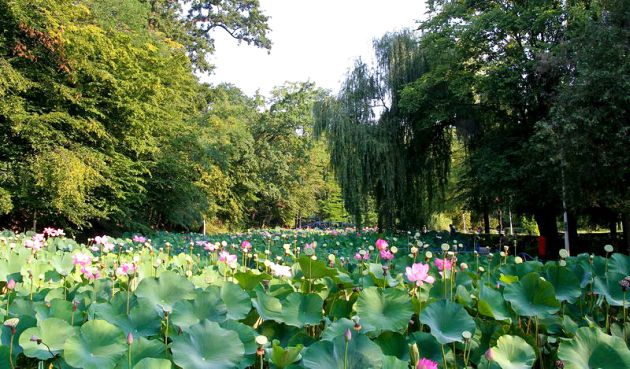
[316, 40]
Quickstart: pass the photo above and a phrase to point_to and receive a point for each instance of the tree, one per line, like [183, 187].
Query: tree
[379, 148]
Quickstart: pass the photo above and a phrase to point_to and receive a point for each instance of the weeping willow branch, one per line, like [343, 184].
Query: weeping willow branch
[399, 159]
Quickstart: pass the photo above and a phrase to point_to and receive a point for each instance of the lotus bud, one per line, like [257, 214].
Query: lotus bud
[11, 284]
[130, 338]
[347, 335]
[36, 339]
[489, 354]
[414, 354]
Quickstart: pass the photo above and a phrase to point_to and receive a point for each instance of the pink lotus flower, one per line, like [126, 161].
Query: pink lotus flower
[82, 259]
[108, 247]
[427, 364]
[139, 239]
[246, 246]
[489, 354]
[52, 232]
[381, 244]
[35, 245]
[225, 257]
[419, 273]
[91, 272]
[126, 269]
[209, 246]
[366, 256]
[386, 255]
[442, 264]
[100, 240]
[358, 256]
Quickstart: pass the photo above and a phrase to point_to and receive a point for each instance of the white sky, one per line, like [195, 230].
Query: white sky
[315, 40]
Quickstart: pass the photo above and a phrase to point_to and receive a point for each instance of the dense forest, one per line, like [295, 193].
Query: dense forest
[482, 107]
[535, 95]
[104, 123]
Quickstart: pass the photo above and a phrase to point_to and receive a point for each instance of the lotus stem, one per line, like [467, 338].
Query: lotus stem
[166, 333]
[444, 357]
[345, 356]
[624, 316]
[11, 349]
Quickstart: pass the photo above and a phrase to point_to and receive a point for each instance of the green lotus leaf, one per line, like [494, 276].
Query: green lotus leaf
[447, 320]
[53, 332]
[338, 328]
[314, 269]
[591, 348]
[532, 296]
[143, 320]
[152, 363]
[163, 292]
[428, 346]
[393, 344]
[142, 348]
[565, 283]
[207, 346]
[251, 278]
[392, 362]
[492, 304]
[5, 363]
[206, 305]
[362, 353]
[302, 309]
[512, 352]
[268, 307]
[236, 300]
[97, 345]
[383, 310]
[26, 321]
[619, 263]
[609, 287]
[283, 357]
[246, 334]
[62, 263]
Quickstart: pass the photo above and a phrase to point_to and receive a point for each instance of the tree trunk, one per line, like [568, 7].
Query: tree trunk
[625, 222]
[573, 233]
[546, 220]
[486, 220]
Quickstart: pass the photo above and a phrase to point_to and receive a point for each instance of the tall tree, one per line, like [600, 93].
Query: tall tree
[381, 149]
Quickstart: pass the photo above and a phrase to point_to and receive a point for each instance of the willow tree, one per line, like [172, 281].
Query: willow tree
[378, 150]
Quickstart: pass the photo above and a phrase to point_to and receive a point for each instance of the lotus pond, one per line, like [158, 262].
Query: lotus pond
[305, 299]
